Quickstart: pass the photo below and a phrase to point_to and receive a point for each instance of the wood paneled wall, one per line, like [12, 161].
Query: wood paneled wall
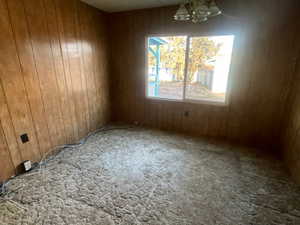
[261, 72]
[291, 130]
[291, 134]
[53, 76]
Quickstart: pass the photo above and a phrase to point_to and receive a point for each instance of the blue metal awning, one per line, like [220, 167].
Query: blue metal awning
[157, 41]
[154, 47]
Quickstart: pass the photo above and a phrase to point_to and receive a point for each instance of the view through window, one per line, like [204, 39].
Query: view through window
[189, 68]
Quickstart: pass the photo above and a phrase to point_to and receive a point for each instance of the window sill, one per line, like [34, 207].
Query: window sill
[200, 102]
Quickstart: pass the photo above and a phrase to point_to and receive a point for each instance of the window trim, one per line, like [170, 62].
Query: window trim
[184, 99]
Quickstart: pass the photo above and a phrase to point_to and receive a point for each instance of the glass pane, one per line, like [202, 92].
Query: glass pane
[208, 68]
[166, 60]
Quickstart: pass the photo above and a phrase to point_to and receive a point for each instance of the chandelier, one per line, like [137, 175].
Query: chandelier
[197, 11]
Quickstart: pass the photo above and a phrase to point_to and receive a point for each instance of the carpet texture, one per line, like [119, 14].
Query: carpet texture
[143, 176]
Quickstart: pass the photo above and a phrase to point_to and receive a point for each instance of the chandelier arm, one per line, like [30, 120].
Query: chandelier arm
[197, 10]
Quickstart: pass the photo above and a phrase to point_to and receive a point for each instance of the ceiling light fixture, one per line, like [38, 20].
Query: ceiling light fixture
[197, 11]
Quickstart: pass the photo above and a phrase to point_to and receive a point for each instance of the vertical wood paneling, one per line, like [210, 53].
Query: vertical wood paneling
[45, 66]
[290, 141]
[13, 86]
[52, 27]
[48, 77]
[67, 67]
[67, 12]
[258, 78]
[30, 76]
[99, 68]
[87, 58]
[83, 70]
[8, 129]
[7, 169]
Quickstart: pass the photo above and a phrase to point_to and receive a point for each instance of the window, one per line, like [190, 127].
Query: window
[189, 68]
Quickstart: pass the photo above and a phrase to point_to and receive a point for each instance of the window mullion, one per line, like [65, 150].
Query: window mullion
[187, 52]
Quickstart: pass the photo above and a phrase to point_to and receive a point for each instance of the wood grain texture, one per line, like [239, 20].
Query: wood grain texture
[49, 88]
[7, 168]
[260, 73]
[290, 139]
[14, 89]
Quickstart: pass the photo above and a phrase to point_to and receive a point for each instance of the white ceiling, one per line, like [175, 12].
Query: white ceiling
[124, 5]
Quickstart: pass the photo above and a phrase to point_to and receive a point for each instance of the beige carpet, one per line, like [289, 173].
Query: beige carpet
[142, 176]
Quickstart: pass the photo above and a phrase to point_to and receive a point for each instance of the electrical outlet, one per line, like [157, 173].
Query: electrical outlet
[27, 165]
[24, 138]
[186, 113]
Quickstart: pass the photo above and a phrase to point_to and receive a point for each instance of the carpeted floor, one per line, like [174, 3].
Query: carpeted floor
[143, 176]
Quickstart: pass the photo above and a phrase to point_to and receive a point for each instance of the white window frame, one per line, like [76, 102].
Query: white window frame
[187, 52]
